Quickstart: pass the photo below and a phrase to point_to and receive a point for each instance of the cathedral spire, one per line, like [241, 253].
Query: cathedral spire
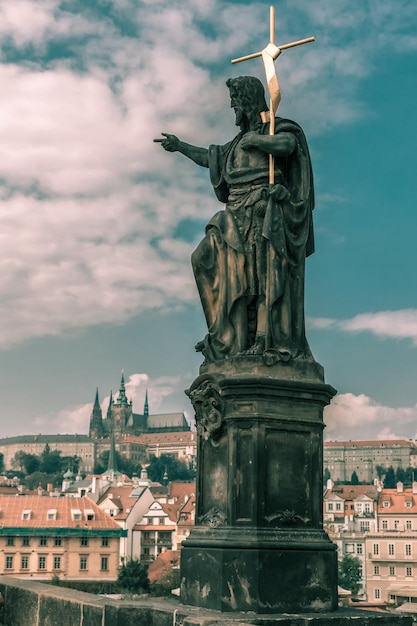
[110, 406]
[121, 398]
[96, 419]
[146, 406]
[112, 463]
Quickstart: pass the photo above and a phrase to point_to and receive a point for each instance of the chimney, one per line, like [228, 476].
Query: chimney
[329, 484]
[400, 487]
[414, 486]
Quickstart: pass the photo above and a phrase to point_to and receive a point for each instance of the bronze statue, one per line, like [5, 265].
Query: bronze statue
[250, 266]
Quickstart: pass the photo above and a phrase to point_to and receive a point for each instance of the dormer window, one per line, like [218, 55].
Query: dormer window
[89, 514]
[76, 515]
[51, 514]
[408, 504]
[386, 504]
[26, 514]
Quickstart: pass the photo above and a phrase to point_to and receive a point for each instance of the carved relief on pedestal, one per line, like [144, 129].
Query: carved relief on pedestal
[213, 518]
[286, 518]
[208, 406]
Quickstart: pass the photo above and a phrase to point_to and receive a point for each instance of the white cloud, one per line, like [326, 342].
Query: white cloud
[351, 417]
[400, 324]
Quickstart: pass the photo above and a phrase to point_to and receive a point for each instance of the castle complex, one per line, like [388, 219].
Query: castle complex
[136, 436]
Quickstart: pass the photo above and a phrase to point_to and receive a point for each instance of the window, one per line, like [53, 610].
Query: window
[338, 506]
[25, 541]
[408, 525]
[84, 542]
[365, 527]
[408, 504]
[42, 562]
[26, 514]
[384, 524]
[408, 571]
[392, 570]
[376, 570]
[83, 562]
[104, 563]
[43, 540]
[24, 563]
[376, 548]
[105, 542]
[57, 562]
[385, 504]
[51, 514]
[58, 541]
[9, 541]
[408, 549]
[330, 506]
[76, 515]
[396, 524]
[358, 548]
[377, 594]
[9, 562]
[89, 514]
[367, 507]
[391, 549]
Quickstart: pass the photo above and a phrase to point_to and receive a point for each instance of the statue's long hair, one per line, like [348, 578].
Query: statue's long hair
[251, 95]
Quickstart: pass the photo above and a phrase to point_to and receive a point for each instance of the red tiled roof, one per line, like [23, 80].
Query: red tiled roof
[352, 492]
[12, 508]
[163, 564]
[188, 436]
[381, 443]
[397, 502]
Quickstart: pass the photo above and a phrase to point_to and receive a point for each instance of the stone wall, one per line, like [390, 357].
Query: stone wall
[28, 603]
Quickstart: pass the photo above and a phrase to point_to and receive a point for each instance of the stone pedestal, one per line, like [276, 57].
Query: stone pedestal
[258, 544]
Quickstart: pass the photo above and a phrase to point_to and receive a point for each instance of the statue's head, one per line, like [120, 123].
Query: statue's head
[247, 98]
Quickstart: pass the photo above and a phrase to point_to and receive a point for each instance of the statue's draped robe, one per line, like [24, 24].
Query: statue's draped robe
[256, 248]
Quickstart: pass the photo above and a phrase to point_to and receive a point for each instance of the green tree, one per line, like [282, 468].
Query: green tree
[18, 461]
[123, 464]
[380, 471]
[354, 480]
[50, 461]
[389, 480]
[133, 576]
[170, 466]
[350, 573]
[400, 475]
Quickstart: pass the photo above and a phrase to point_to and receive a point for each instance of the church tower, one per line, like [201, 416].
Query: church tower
[96, 420]
[121, 411]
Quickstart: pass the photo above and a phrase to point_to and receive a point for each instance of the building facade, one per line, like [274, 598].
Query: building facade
[342, 458]
[42, 537]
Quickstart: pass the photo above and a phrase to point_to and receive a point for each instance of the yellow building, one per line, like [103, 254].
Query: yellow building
[42, 537]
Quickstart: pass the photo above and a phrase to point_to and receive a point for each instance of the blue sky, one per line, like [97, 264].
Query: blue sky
[98, 223]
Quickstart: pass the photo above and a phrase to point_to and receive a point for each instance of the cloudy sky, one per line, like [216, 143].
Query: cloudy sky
[98, 223]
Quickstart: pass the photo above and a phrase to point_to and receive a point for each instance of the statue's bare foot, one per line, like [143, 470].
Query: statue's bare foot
[258, 347]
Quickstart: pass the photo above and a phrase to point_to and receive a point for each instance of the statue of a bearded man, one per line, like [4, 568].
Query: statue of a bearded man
[250, 266]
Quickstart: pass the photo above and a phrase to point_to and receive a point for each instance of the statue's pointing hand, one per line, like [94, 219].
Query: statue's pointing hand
[170, 142]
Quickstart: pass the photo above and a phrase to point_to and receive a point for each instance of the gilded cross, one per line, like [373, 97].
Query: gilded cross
[269, 55]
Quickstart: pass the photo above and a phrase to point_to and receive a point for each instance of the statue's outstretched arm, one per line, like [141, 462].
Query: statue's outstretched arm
[171, 143]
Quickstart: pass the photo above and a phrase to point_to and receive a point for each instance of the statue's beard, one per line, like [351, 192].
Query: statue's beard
[242, 120]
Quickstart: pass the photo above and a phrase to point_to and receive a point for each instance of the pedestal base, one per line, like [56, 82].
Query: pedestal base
[258, 543]
[260, 580]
